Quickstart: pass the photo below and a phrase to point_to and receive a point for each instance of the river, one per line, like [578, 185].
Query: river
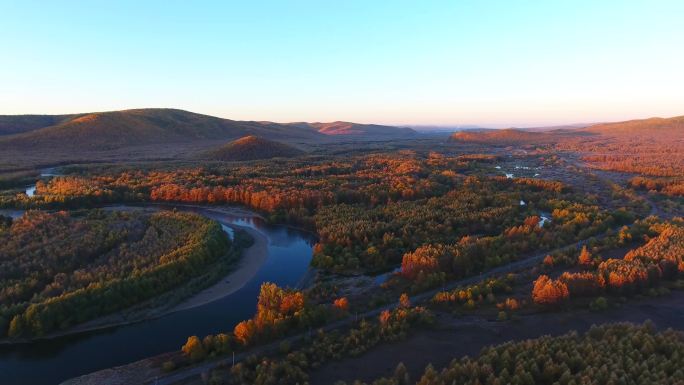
[52, 361]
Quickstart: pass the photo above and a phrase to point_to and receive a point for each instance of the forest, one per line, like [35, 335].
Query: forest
[641, 268]
[59, 269]
[666, 186]
[559, 364]
[428, 217]
[369, 211]
[619, 353]
[291, 366]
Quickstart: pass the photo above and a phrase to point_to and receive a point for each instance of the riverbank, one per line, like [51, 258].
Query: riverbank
[247, 265]
[252, 259]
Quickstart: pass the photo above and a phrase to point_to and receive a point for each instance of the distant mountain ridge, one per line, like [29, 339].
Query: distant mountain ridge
[664, 127]
[122, 129]
[349, 128]
[444, 128]
[117, 129]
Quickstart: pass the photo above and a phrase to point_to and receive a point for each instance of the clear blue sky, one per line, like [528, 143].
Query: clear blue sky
[492, 63]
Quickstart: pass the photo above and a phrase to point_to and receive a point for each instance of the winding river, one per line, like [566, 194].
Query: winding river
[52, 361]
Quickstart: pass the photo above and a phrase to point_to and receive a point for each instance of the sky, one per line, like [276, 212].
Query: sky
[487, 63]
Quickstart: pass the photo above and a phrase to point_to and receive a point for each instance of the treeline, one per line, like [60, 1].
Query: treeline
[660, 259]
[356, 237]
[667, 186]
[279, 311]
[291, 367]
[431, 264]
[287, 190]
[471, 296]
[19, 178]
[646, 151]
[60, 269]
[661, 164]
[353, 237]
[608, 354]
[268, 186]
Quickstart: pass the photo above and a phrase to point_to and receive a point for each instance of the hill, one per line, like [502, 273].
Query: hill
[357, 129]
[116, 129]
[652, 126]
[252, 147]
[139, 127]
[507, 136]
[652, 147]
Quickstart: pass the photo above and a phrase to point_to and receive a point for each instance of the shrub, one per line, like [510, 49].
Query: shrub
[168, 366]
[502, 316]
[600, 303]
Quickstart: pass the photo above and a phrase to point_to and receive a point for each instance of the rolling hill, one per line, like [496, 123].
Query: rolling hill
[641, 127]
[120, 129]
[253, 147]
[507, 136]
[670, 129]
[116, 129]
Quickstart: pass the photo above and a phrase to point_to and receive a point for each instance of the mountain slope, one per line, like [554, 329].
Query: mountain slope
[253, 147]
[17, 124]
[108, 130]
[641, 126]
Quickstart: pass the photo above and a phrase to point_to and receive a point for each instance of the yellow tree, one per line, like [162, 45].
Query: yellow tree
[584, 257]
[404, 301]
[194, 349]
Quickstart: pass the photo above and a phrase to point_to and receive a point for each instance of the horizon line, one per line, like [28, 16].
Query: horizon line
[416, 126]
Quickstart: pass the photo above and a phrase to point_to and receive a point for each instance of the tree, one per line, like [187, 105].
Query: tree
[16, 327]
[549, 292]
[5, 221]
[404, 301]
[585, 257]
[384, 317]
[430, 377]
[401, 375]
[194, 349]
[341, 304]
[244, 332]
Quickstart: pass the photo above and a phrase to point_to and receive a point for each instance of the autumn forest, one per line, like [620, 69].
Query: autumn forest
[314, 258]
